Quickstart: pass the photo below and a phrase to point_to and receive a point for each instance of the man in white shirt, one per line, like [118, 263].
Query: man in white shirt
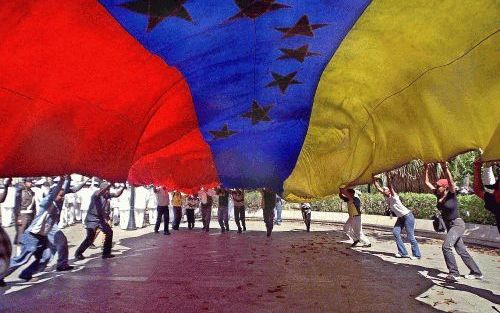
[163, 200]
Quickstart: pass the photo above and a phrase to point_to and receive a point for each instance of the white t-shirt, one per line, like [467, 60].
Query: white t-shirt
[396, 206]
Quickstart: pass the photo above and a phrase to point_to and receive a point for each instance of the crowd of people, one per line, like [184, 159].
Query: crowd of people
[43, 207]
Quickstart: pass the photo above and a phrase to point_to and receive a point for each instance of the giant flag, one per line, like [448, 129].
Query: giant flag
[299, 96]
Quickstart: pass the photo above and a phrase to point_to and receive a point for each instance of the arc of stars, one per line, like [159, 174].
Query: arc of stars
[225, 132]
[255, 8]
[283, 81]
[258, 113]
[302, 28]
[158, 10]
[299, 54]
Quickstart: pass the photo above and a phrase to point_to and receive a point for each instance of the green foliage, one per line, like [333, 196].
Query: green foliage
[422, 205]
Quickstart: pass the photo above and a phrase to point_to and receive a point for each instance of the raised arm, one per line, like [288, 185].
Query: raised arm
[78, 187]
[344, 195]
[427, 181]
[48, 199]
[67, 184]
[448, 176]
[117, 193]
[390, 185]
[6, 185]
[377, 184]
[478, 181]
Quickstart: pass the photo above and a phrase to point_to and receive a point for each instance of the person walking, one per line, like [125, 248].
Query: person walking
[268, 205]
[305, 209]
[58, 243]
[24, 209]
[277, 210]
[447, 204]
[206, 202]
[405, 219]
[192, 204]
[222, 211]
[177, 204]
[96, 219]
[163, 200]
[34, 240]
[353, 226]
[238, 196]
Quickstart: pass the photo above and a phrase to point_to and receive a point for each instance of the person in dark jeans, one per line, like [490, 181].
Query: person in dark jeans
[447, 204]
[268, 204]
[305, 208]
[238, 196]
[222, 211]
[34, 240]
[177, 204]
[96, 219]
[162, 209]
[192, 204]
[206, 201]
[58, 243]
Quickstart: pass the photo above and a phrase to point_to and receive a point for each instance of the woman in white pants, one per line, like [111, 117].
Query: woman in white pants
[353, 226]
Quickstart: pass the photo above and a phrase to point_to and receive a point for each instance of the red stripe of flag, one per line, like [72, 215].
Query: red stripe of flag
[79, 94]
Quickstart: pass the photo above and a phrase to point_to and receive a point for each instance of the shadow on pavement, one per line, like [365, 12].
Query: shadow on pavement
[194, 271]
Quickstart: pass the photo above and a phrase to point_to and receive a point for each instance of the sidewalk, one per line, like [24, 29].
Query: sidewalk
[484, 235]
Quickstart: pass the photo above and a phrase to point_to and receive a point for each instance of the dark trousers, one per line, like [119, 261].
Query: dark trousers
[162, 211]
[58, 243]
[268, 219]
[177, 217]
[108, 239]
[239, 216]
[23, 220]
[190, 218]
[206, 216]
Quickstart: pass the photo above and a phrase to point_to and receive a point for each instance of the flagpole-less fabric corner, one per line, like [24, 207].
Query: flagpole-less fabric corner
[412, 80]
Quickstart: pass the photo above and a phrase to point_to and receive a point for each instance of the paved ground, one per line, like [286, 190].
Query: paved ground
[293, 271]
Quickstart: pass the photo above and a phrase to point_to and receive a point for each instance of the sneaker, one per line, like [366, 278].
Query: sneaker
[64, 268]
[108, 256]
[414, 257]
[166, 233]
[239, 231]
[355, 243]
[156, 232]
[222, 230]
[399, 256]
[79, 257]
[453, 277]
[474, 276]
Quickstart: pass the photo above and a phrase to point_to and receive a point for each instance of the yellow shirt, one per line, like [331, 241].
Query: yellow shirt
[352, 207]
[176, 199]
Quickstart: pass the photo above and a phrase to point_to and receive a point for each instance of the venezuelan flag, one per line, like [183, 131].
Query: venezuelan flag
[299, 96]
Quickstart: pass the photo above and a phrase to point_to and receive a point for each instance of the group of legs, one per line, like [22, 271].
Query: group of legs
[206, 216]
